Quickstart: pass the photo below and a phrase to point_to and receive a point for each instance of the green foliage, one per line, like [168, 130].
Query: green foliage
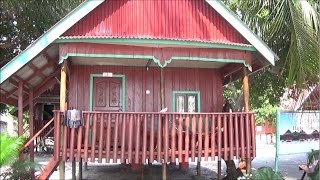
[12, 168]
[19, 170]
[291, 29]
[313, 157]
[266, 89]
[266, 173]
[9, 148]
[22, 22]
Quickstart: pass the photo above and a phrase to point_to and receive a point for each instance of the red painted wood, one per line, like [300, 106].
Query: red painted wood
[187, 140]
[139, 125]
[157, 19]
[162, 54]
[213, 142]
[101, 139]
[152, 133]
[159, 139]
[94, 133]
[200, 130]
[225, 137]
[193, 138]
[79, 144]
[248, 136]
[86, 137]
[242, 143]
[137, 138]
[166, 138]
[206, 138]
[219, 137]
[236, 128]
[144, 140]
[72, 147]
[130, 138]
[180, 139]
[115, 140]
[173, 139]
[231, 135]
[123, 138]
[108, 142]
[253, 137]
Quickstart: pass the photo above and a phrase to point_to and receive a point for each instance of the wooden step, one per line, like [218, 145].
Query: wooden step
[48, 170]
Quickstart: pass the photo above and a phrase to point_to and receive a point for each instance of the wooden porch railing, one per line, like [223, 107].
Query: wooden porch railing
[140, 137]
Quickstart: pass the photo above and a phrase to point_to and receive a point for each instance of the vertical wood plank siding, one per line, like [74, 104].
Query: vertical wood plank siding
[138, 80]
[148, 141]
[157, 19]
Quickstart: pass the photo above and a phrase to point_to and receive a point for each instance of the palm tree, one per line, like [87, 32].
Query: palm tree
[291, 29]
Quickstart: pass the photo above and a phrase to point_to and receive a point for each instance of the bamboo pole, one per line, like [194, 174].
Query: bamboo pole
[63, 88]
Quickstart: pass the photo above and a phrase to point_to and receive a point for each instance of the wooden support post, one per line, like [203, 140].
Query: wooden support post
[73, 170]
[31, 128]
[162, 100]
[63, 92]
[198, 169]
[219, 169]
[20, 112]
[80, 169]
[245, 85]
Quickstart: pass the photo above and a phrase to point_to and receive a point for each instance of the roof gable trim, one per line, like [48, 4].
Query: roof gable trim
[243, 30]
[47, 38]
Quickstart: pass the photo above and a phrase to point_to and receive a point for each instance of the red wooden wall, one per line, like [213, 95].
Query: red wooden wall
[157, 19]
[138, 80]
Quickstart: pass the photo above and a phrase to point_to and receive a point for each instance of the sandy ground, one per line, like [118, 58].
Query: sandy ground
[288, 167]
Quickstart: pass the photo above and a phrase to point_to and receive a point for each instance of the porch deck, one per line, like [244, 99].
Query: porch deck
[141, 137]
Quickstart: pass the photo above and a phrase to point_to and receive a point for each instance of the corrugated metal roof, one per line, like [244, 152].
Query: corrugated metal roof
[151, 38]
[157, 19]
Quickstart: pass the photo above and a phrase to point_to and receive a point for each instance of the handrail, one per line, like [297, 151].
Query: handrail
[36, 135]
[45, 136]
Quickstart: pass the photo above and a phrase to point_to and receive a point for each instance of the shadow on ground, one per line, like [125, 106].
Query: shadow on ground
[150, 172]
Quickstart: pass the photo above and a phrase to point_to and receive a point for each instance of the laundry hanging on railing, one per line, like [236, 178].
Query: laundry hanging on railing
[73, 118]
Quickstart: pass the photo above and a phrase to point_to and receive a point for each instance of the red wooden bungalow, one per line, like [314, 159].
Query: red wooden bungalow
[122, 62]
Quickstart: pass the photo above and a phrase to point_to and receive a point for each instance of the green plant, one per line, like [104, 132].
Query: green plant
[266, 173]
[9, 148]
[12, 168]
[313, 158]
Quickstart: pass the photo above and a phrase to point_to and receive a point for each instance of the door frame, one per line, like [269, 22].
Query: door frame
[123, 96]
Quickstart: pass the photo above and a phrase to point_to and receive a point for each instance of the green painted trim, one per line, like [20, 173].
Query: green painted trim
[157, 61]
[184, 92]
[243, 30]
[157, 42]
[47, 38]
[123, 78]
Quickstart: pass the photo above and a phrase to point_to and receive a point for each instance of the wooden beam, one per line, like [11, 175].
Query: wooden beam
[9, 101]
[20, 79]
[230, 68]
[20, 108]
[36, 70]
[50, 63]
[16, 84]
[31, 126]
[63, 93]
